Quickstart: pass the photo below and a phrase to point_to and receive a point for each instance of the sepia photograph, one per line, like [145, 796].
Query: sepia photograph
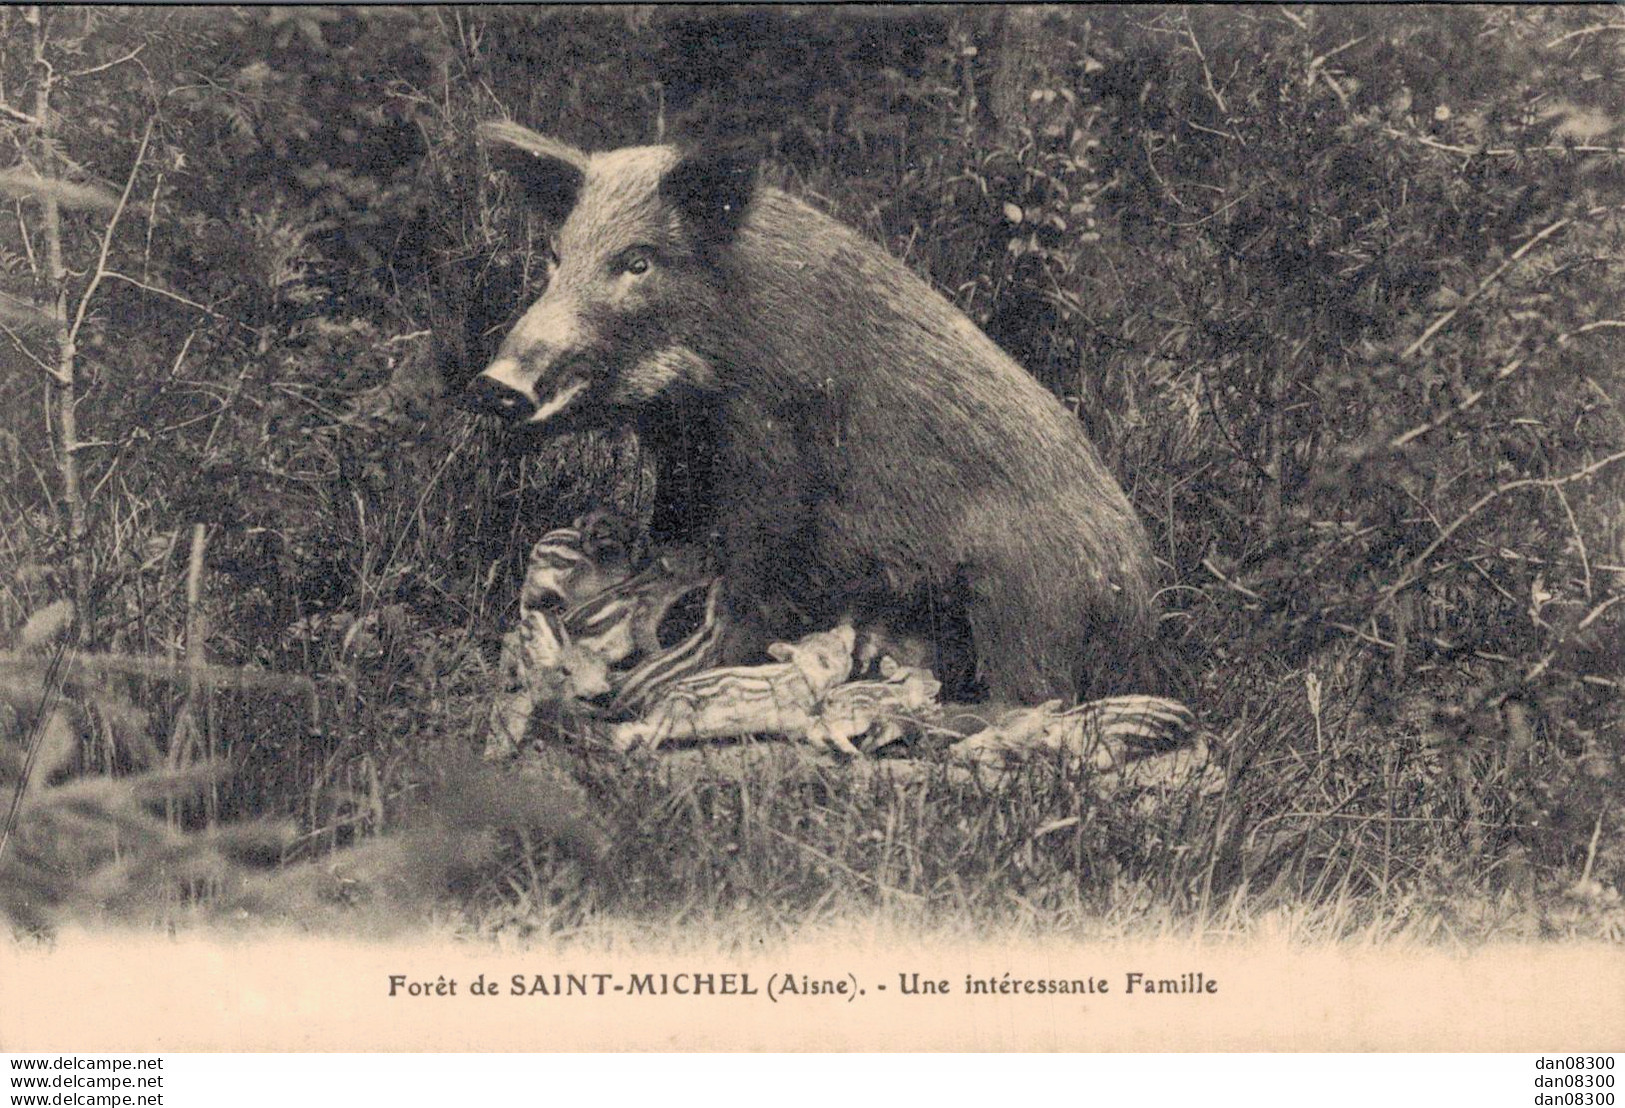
[812, 527]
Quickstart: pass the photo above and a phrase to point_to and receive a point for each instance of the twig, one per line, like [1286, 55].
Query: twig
[1409, 577]
[1449, 647]
[36, 737]
[1591, 851]
[1579, 538]
[1596, 613]
[1483, 286]
[1598, 325]
[1469, 561]
[1207, 74]
[27, 353]
[177, 297]
[1207, 564]
[1336, 50]
[20, 116]
[1417, 432]
[1597, 30]
[105, 65]
[107, 238]
[1222, 208]
[1331, 83]
[1400, 441]
[1501, 151]
[1513, 555]
[1214, 131]
[1151, 164]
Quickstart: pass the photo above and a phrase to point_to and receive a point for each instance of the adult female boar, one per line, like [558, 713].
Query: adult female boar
[847, 441]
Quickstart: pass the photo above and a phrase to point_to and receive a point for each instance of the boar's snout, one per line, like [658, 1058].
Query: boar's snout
[488, 396]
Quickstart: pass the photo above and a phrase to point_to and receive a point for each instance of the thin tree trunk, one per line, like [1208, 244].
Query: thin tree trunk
[183, 740]
[1021, 65]
[1272, 465]
[64, 380]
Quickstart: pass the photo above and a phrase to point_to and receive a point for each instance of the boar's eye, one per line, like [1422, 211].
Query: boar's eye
[636, 261]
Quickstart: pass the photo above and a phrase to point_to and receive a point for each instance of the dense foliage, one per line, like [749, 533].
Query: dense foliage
[1337, 291]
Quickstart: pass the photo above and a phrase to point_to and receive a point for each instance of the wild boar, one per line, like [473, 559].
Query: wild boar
[847, 441]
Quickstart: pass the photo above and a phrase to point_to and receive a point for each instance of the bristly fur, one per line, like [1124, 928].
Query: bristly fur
[862, 447]
[712, 189]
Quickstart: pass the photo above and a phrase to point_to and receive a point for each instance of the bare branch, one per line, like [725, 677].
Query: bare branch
[1229, 582]
[1336, 50]
[105, 65]
[18, 312]
[1411, 574]
[1501, 151]
[1207, 74]
[22, 348]
[1579, 537]
[20, 116]
[1597, 30]
[1514, 556]
[25, 238]
[1400, 441]
[1597, 325]
[1597, 612]
[1483, 286]
[156, 290]
[1447, 646]
[107, 237]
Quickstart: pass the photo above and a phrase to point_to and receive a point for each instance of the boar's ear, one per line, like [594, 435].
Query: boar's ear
[550, 172]
[712, 189]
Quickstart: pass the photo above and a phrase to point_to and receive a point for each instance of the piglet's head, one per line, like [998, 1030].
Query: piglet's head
[634, 279]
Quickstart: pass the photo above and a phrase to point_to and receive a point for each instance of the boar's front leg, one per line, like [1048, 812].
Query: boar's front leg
[682, 443]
